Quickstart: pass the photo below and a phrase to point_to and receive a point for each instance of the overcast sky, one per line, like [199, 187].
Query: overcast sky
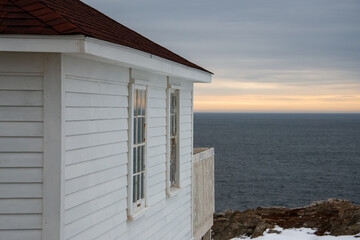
[267, 56]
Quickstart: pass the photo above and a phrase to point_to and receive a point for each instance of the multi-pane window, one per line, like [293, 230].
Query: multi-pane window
[173, 156]
[139, 150]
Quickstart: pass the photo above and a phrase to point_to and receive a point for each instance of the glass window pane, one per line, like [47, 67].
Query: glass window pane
[138, 102]
[134, 103]
[139, 130]
[173, 164]
[143, 102]
[142, 185]
[135, 131]
[172, 103]
[143, 130]
[175, 102]
[134, 160]
[142, 158]
[138, 158]
[138, 187]
[134, 189]
[173, 125]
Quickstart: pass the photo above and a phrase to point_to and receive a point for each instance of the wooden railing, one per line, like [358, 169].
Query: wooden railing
[203, 192]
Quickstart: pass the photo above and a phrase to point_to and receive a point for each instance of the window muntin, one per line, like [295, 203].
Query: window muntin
[173, 139]
[138, 149]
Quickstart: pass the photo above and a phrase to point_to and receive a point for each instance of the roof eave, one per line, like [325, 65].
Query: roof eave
[102, 49]
[41, 43]
[143, 60]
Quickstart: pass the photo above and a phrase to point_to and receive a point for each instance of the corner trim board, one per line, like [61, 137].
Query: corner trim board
[53, 156]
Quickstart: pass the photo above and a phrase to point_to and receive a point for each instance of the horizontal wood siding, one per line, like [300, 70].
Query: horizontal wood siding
[96, 147]
[96, 156]
[21, 145]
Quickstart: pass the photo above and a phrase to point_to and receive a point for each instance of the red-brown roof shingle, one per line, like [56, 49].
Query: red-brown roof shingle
[63, 17]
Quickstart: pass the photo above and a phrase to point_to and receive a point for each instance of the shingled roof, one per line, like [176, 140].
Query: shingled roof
[65, 17]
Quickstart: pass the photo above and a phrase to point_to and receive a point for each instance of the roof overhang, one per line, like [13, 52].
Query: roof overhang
[80, 44]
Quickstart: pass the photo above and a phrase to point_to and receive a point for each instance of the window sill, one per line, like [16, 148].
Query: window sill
[173, 192]
[137, 215]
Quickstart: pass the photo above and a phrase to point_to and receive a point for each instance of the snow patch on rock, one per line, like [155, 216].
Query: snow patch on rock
[279, 233]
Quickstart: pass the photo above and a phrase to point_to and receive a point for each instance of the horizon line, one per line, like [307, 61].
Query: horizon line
[280, 112]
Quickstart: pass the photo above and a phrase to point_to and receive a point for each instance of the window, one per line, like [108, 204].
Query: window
[137, 167]
[173, 140]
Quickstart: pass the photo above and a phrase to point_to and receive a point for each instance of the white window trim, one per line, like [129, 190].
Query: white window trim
[171, 191]
[134, 212]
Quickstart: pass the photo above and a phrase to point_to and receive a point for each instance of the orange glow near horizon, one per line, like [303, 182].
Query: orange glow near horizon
[312, 96]
[256, 103]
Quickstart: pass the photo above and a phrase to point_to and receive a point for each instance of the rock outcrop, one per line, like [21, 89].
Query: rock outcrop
[334, 216]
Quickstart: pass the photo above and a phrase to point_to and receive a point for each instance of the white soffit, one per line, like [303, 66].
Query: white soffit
[98, 48]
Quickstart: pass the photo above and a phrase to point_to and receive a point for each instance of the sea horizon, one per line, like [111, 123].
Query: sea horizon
[215, 112]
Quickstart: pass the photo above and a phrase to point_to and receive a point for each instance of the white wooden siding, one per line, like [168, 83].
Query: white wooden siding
[96, 129]
[96, 156]
[21, 145]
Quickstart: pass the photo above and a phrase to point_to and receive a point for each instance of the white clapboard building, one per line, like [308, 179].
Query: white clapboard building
[96, 130]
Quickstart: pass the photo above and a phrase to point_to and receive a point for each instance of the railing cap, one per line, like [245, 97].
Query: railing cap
[202, 154]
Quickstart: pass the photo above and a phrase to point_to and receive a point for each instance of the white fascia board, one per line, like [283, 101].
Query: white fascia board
[97, 48]
[142, 60]
[42, 43]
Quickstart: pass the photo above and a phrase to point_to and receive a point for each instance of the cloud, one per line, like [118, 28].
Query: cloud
[325, 30]
[276, 47]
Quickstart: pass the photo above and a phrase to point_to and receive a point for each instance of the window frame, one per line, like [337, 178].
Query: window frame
[135, 208]
[169, 189]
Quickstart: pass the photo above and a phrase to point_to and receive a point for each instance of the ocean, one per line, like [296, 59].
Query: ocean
[285, 160]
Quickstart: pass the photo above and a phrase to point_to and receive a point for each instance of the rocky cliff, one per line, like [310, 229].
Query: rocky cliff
[334, 216]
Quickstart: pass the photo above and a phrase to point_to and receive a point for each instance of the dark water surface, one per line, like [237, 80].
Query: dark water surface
[281, 159]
